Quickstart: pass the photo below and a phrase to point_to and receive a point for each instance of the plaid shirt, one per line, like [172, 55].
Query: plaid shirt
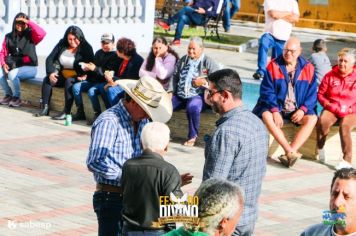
[113, 141]
[237, 151]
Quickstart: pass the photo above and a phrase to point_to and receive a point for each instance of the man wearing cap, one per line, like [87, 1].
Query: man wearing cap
[105, 59]
[115, 138]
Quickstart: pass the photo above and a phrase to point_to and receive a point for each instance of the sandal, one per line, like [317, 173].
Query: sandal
[190, 142]
[293, 157]
[284, 160]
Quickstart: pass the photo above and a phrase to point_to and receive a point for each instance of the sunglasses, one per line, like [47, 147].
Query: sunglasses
[20, 23]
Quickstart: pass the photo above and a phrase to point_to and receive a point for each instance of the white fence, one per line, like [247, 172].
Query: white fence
[124, 18]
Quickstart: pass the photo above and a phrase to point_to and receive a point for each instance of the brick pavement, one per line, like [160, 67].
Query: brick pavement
[47, 190]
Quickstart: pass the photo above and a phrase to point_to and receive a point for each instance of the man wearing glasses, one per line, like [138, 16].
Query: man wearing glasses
[289, 92]
[237, 150]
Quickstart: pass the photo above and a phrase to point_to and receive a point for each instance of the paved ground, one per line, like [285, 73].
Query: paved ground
[46, 189]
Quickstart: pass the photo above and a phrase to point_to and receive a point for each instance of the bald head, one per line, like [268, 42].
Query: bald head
[292, 50]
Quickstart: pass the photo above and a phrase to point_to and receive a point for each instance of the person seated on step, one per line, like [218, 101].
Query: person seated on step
[128, 67]
[105, 59]
[186, 95]
[289, 92]
[195, 13]
[337, 95]
[63, 69]
[160, 62]
[18, 57]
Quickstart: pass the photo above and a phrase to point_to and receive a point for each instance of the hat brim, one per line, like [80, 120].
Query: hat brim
[162, 113]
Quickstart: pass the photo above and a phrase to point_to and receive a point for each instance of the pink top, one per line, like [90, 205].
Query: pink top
[37, 34]
[162, 70]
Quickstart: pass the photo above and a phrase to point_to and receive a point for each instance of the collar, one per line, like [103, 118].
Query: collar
[148, 153]
[229, 114]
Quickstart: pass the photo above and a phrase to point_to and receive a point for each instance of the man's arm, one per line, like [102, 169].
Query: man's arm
[103, 138]
[220, 155]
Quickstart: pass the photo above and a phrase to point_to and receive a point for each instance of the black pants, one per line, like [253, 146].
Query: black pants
[68, 91]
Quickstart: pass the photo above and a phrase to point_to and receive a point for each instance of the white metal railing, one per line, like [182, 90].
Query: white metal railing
[76, 11]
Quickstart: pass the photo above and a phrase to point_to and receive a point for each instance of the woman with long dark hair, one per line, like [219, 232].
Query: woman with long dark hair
[160, 62]
[18, 57]
[63, 68]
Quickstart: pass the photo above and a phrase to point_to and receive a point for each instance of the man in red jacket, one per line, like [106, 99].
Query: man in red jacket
[337, 95]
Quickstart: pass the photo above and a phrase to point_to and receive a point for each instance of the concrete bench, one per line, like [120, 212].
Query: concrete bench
[31, 92]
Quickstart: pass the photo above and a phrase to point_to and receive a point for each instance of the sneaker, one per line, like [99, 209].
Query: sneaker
[227, 30]
[15, 102]
[175, 42]
[163, 25]
[257, 76]
[343, 164]
[6, 100]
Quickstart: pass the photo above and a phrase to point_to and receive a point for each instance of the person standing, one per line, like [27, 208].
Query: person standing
[115, 138]
[231, 7]
[280, 17]
[238, 148]
[18, 57]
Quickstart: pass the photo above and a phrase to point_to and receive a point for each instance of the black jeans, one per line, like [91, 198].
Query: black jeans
[68, 91]
[108, 209]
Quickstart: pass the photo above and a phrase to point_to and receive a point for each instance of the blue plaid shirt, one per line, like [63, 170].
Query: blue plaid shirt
[237, 151]
[113, 141]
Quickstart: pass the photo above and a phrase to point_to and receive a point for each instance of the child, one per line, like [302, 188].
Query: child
[320, 60]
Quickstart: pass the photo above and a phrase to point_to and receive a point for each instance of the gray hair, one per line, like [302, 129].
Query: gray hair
[155, 136]
[348, 52]
[197, 40]
[218, 199]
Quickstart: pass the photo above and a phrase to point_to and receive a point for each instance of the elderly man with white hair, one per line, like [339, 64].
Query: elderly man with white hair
[220, 207]
[145, 179]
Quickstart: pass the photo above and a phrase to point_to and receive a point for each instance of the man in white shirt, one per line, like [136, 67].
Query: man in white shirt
[280, 15]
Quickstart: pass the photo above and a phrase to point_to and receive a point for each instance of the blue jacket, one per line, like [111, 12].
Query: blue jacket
[210, 6]
[274, 87]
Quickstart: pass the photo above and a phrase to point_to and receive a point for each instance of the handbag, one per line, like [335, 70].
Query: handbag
[69, 73]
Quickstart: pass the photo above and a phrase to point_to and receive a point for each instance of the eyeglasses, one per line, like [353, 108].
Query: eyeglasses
[211, 93]
[289, 50]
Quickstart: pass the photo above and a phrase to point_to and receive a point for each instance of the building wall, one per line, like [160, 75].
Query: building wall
[337, 15]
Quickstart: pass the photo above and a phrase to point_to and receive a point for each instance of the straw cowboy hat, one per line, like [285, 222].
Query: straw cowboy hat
[150, 95]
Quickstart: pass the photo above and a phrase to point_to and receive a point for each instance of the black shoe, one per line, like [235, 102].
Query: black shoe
[44, 112]
[61, 116]
[80, 115]
[257, 76]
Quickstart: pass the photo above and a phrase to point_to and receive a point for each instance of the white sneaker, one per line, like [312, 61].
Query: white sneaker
[322, 157]
[343, 164]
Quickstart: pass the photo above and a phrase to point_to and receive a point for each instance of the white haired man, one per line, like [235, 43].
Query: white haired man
[220, 207]
[145, 179]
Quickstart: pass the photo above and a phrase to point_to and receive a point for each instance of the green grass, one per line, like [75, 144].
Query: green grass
[199, 31]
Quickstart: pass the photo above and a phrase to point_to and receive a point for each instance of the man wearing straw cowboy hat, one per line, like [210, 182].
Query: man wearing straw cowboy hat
[115, 138]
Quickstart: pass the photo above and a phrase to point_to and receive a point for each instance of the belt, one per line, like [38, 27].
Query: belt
[108, 188]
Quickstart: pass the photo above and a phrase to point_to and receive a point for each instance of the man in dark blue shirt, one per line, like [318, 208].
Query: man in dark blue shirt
[195, 13]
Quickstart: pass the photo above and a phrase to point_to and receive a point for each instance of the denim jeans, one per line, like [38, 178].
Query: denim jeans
[231, 7]
[86, 86]
[93, 93]
[15, 76]
[266, 42]
[108, 209]
[114, 94]
[185, 16]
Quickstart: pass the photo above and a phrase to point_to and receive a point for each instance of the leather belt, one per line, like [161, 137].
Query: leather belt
[108, 188]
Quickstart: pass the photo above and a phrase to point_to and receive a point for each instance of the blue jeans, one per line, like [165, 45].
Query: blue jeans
[114, 94]
[185, 16]
[15, 76]
[93, 93]
[108, 209]
[266, 42]
[93, 90]
[231, 7]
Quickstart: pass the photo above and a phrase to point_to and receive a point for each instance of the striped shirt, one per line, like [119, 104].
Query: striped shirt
[113, 141]
[237, 151]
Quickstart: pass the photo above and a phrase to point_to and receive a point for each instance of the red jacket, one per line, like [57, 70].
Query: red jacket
[338, 94]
